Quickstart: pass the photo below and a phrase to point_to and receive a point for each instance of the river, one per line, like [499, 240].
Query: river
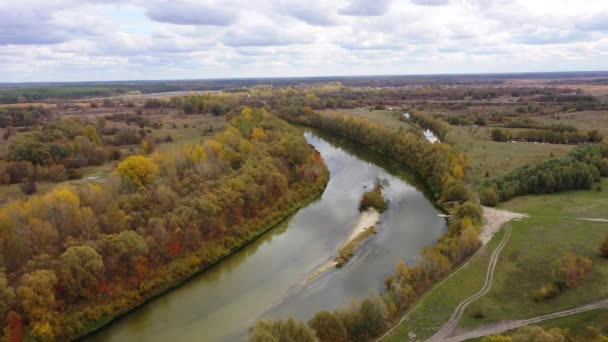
[267, 278]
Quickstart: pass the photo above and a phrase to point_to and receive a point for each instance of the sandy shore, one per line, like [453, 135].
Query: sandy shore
[493, 220]
[367, 219]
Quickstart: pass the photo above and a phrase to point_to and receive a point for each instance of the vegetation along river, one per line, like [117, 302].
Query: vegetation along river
[268, 278]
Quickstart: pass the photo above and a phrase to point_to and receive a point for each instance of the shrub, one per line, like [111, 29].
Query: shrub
[499, 135]
[28, 187]
[548, 291]
[604, 248]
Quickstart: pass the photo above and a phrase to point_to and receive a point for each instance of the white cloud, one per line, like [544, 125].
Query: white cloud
[148, 39]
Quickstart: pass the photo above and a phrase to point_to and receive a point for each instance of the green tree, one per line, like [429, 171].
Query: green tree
[27, 147]
[79, 271]
[124, 248]
[489, 197]
[328, 327]
[288, 330]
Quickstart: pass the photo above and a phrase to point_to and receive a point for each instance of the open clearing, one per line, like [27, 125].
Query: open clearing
[497, 158]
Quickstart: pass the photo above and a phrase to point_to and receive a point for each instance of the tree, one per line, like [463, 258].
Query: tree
[328, 327]
[537, 334]
[91, 132]
[7, 296]
[574, 269]
[489, 197]
[288, 330]
[217, 110]
[188, 108]
[138, 170]
[123, 250]
[36, 295]
[28, 147]
[80, 268]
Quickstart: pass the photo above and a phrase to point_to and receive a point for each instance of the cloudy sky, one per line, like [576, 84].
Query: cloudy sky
[76, 40]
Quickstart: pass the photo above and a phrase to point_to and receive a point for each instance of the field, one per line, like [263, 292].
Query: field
[437, 307]
[535, 246]
[490, 158]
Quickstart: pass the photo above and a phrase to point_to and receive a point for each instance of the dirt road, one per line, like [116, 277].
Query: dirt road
[448, 328]
[503, 326]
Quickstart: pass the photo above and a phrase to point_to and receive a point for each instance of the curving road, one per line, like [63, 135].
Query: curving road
[448, 328]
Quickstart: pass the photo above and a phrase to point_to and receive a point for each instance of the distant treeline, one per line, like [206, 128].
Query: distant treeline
[549, 136]
[579, 169]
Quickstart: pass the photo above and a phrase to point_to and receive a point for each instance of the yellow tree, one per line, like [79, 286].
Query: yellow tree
[138, 170]
[91, 132]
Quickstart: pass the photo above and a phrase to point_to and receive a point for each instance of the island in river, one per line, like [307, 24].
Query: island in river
[268, 278]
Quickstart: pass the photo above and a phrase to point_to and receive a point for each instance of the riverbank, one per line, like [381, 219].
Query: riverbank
[190, 266]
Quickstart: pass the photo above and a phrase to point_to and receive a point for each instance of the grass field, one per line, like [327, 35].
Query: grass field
[498, 158]
[439, 304]
[585, 120]
[536, 244]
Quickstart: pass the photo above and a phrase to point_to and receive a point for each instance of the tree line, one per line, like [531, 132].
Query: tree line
[75, 256]
[445, 171]
[548, 136]
[579, 169]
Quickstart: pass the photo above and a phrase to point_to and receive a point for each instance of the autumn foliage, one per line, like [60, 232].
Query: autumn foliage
[74, 255]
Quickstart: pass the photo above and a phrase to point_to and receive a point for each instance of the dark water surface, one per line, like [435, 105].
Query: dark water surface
[267, 278]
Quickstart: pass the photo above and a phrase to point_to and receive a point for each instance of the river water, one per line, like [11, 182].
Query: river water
[268, 278]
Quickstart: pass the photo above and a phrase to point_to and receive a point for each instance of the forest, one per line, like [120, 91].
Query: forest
[76, 256]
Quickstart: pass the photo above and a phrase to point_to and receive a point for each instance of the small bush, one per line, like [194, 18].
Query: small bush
[548, 291]
[604, 248]
[28, 187]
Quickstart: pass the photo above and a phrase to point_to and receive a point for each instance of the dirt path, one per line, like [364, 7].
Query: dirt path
[448, 328]
[503, 326]
[493, 219]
